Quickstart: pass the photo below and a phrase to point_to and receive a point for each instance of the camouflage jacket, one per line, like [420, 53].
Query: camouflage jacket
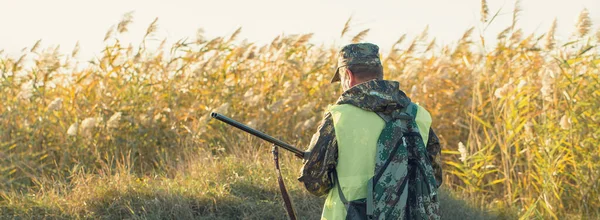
[317, 168]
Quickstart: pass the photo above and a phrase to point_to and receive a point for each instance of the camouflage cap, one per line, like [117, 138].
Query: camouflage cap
[352, 54]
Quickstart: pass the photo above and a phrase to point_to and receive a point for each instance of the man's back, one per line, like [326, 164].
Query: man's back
[356, 132]
[347, 140]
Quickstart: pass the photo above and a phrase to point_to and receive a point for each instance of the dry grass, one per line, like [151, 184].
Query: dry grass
[130, 136]
[206, 188]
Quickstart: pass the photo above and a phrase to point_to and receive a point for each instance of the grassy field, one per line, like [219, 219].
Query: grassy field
[209, 188]
[129, 135]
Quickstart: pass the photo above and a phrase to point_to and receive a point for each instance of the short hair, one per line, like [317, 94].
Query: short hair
[366, 72]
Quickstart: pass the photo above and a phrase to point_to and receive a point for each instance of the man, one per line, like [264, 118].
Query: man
[345, 146]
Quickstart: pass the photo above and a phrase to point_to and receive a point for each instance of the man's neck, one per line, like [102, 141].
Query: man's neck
[357, 82]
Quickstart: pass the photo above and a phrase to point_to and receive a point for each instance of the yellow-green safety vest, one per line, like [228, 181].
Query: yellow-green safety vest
[357, 132]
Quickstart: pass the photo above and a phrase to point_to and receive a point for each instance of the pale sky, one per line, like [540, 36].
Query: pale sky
[64, 22]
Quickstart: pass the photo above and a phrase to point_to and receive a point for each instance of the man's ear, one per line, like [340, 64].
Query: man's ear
[349, 75]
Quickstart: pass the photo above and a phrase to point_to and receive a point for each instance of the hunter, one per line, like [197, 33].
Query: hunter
[374, 154]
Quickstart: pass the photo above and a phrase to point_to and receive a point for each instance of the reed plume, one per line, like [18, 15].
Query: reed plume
[484, 11]
[584, 23]
[549, 42]
[516, 12]
[123, 25]
[346, 27]
[75, 50]
[360, 36]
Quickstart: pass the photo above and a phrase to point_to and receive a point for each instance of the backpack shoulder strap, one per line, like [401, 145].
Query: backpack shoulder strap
[393, 144]
[406, 115]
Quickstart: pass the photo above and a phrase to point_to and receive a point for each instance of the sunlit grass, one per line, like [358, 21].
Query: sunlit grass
[130, 134]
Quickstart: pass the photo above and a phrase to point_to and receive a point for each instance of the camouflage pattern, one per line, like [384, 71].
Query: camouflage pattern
[386, 98]
[422, 201]
[434, 150]
[390, 189]
[357, 54]
[316, 172]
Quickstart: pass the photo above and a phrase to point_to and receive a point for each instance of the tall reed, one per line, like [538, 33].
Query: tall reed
[518, 123]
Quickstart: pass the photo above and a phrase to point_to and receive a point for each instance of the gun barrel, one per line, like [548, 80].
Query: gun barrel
[259, 134]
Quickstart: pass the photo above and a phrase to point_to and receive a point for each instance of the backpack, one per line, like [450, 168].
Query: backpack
[404, 186]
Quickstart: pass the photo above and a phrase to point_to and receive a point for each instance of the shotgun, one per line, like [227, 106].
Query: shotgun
[299, 153]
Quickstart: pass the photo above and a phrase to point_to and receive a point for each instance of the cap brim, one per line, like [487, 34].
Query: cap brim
[336, 76]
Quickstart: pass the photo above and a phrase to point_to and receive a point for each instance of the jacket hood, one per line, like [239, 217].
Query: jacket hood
[381, 96]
